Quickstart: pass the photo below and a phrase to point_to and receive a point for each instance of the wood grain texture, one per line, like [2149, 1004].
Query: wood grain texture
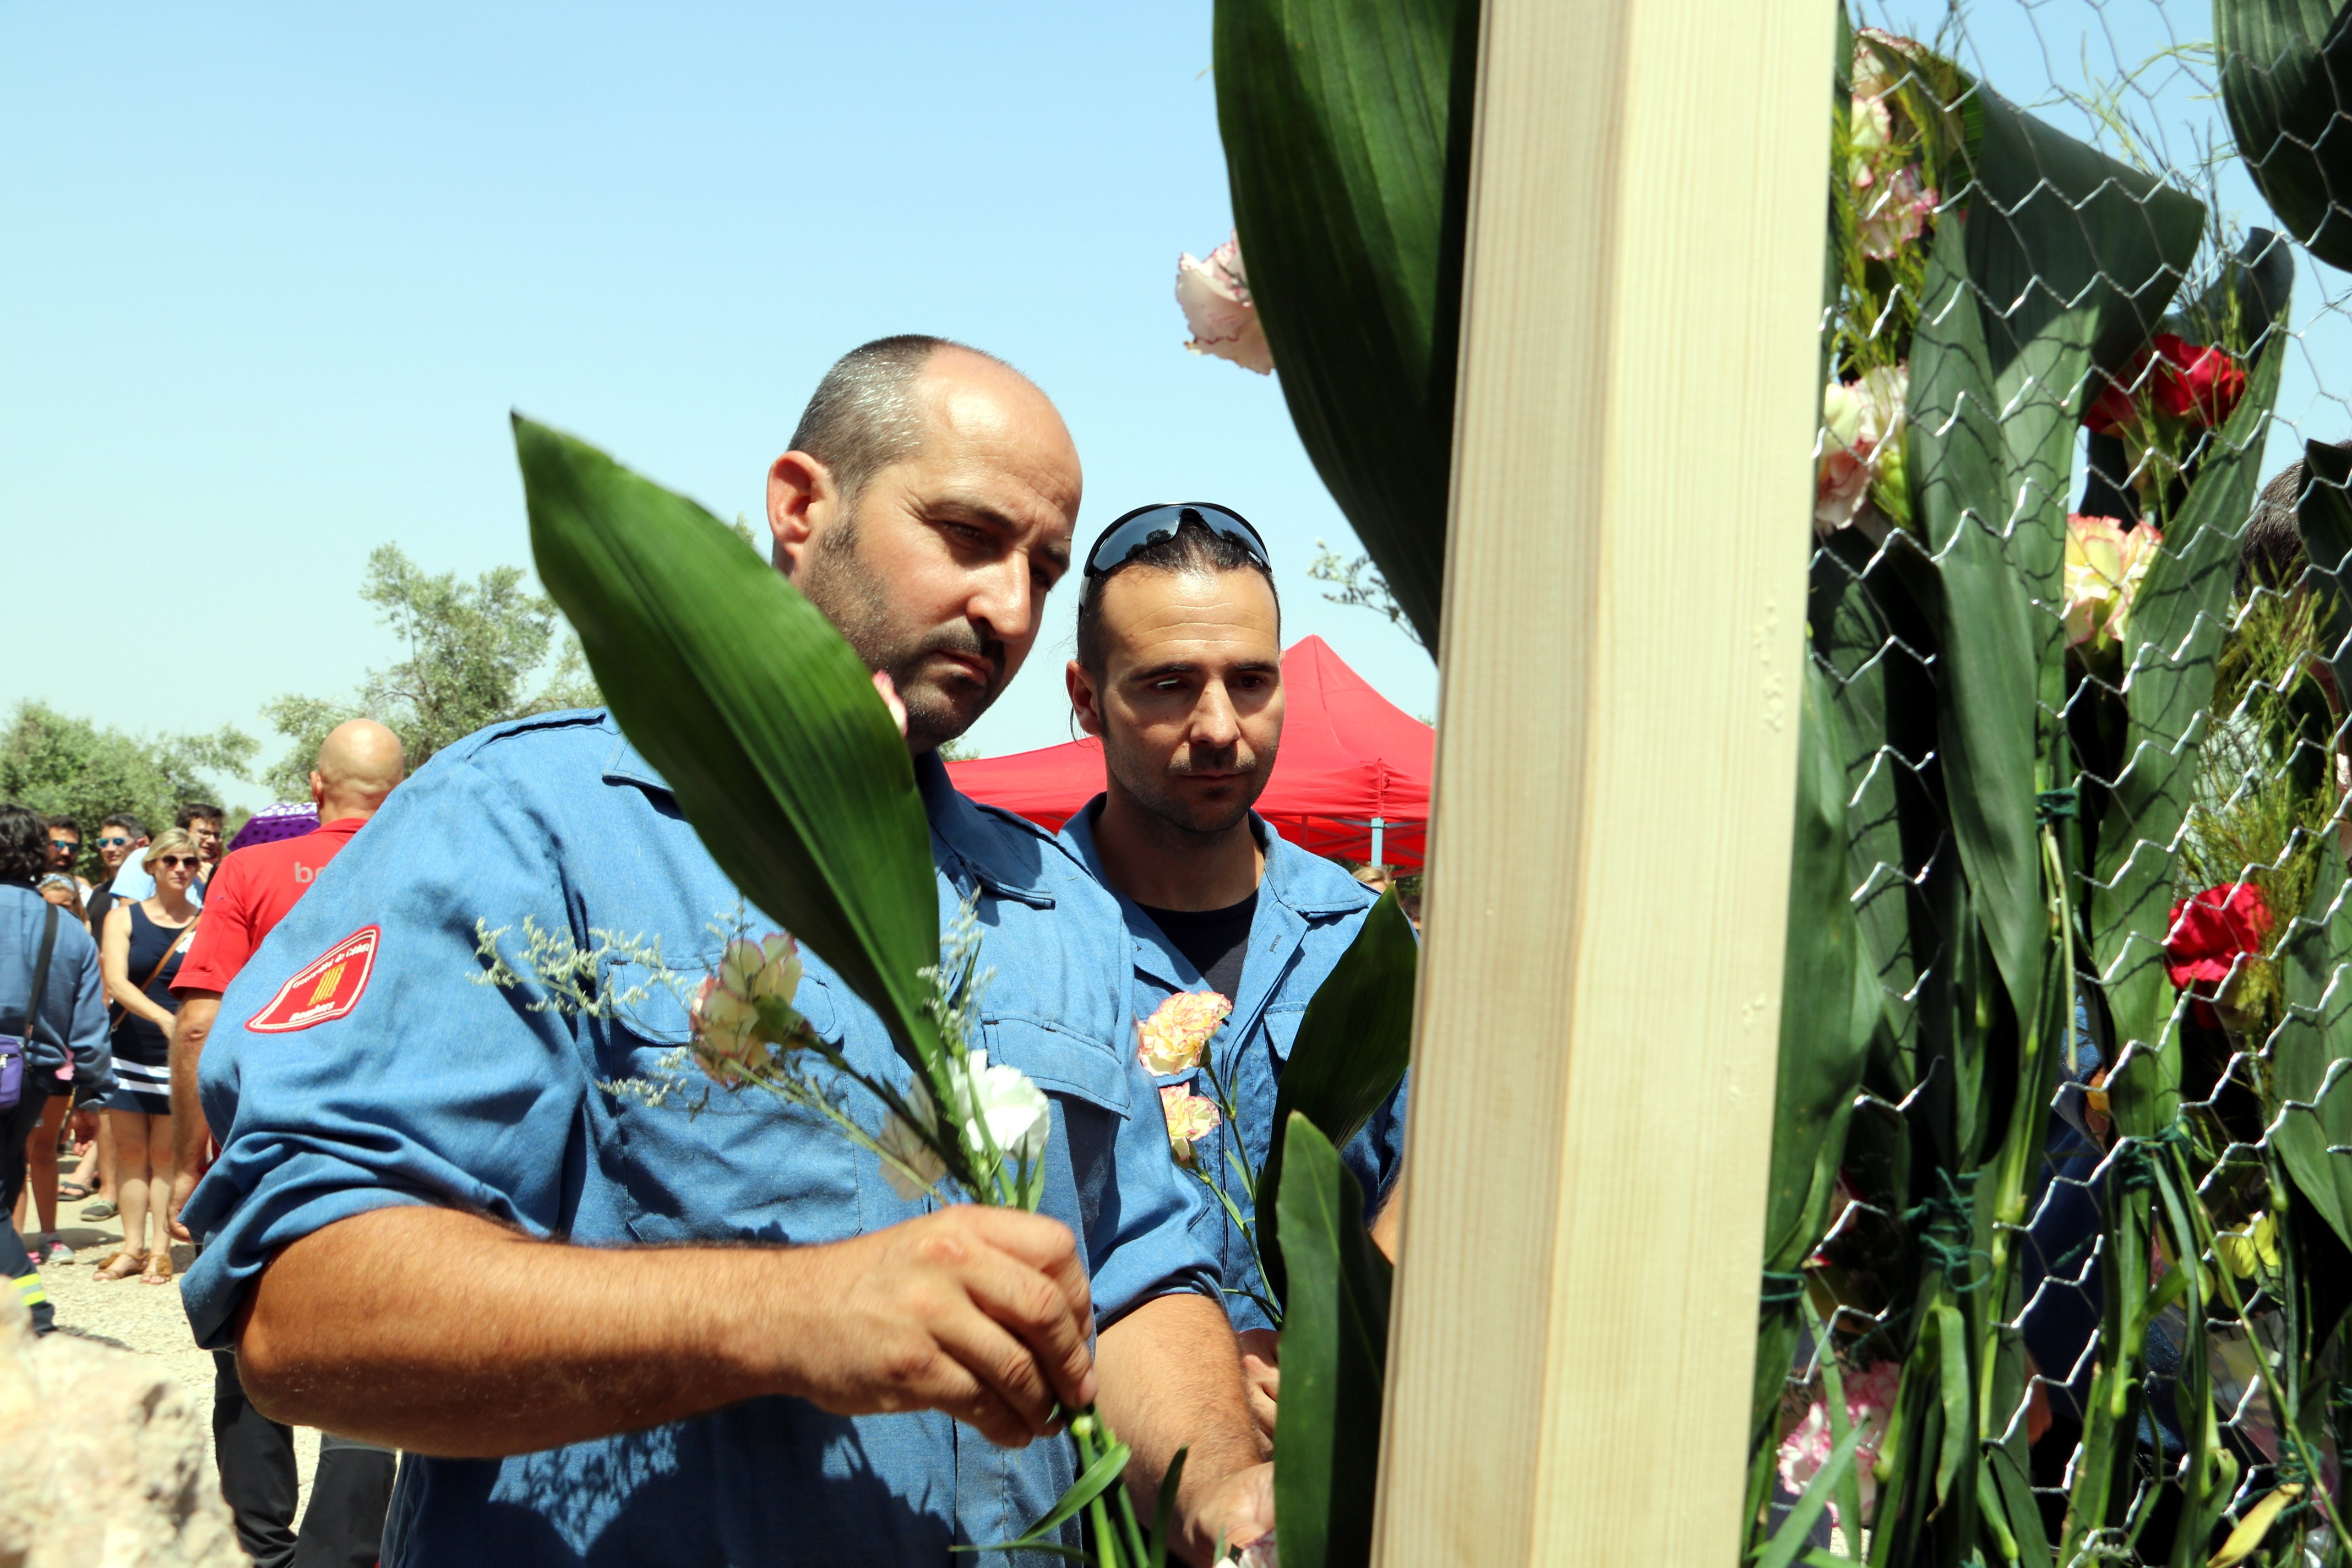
[1569, 1370]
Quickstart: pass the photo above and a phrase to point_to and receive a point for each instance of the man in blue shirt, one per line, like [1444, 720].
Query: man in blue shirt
[642, 1335]
[1180, 673]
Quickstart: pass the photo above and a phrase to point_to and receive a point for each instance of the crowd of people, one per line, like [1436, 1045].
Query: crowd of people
[110, 988]
[601, 1329]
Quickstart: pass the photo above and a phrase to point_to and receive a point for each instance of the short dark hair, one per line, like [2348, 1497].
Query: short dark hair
[193, 811]
[24, 843]
[128, 823]
[1194, 547]
[68, 823]
[862, 417]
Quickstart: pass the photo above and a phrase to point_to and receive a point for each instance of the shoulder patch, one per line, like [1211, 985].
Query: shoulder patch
[328, 986]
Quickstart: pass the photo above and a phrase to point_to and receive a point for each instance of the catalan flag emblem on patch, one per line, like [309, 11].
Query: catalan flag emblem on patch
[326, 987]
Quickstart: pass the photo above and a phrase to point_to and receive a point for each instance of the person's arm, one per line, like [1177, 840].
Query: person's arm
[1171, 1379]
[1388, 1225]
[439, 1332]
[114, 954]
[189, 1133]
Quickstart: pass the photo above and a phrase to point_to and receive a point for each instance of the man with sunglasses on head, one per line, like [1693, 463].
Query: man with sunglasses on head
[602, 1330]
[1179, 673]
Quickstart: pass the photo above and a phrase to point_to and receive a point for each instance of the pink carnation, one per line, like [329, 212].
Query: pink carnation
[1869, 1404]
[1218, 306]
[1176, 1036]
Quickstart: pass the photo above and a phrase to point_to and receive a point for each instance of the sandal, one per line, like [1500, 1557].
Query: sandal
[159, 1267]
[74, 1192]
[122, 1265]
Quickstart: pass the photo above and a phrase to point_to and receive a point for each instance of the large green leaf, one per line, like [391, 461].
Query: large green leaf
[2176, 624]
[1347, 133]
[2311, 1076]
[1828, 1005]
[1327, 1447]
[1351, 1052]
[2286, 82]
[763, 723]
[1987, 677]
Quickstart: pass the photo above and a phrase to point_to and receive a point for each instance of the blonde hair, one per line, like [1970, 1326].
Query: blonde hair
[170, 839]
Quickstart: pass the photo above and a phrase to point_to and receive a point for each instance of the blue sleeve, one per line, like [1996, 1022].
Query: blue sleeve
[431, 1088]
[92, 1047]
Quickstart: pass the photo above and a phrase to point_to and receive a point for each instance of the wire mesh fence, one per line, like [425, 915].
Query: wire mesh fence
[2057, 1262]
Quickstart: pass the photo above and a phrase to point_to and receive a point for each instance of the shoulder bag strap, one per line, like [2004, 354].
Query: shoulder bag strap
[186, 932]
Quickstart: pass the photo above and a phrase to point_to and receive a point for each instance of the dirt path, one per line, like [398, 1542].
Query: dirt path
[146, 1320]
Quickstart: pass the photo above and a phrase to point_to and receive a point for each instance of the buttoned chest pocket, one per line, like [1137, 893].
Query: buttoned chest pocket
[704, 1164]
[1087, 1087]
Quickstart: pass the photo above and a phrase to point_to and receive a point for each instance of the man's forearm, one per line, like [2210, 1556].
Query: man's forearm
[197, 1012]
[1171, 1378]
[443, 1333]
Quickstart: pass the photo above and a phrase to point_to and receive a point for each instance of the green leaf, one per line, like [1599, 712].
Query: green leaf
[1347, 133]
[1351, 1052]
[1956, 1390]
[763, 723]
[2309, 1075]
[1334, 1356]
[1043, 1535]
[2287, 83]
[2177, 623]
[1988, 674]
[1163, 1512]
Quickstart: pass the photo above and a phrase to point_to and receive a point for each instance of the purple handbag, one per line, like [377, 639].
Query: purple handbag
[12, 1047]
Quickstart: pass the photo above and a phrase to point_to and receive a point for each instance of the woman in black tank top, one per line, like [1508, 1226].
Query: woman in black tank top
[139, 954]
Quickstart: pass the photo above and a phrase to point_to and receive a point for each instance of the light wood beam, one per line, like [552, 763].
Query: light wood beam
[1625, 603]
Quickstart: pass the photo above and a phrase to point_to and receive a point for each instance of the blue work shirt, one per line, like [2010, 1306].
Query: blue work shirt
[72, 1024]
[434, 1089]
[1309, 912]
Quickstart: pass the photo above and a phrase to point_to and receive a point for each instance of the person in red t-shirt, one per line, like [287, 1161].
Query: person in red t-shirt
[251, 891]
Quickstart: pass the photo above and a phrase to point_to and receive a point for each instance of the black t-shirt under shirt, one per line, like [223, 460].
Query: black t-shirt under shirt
[1217, 940]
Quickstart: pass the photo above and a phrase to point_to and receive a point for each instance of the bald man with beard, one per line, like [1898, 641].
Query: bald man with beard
[359, 765]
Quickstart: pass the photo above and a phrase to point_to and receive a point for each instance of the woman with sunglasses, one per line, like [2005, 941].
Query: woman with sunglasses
[139, 954]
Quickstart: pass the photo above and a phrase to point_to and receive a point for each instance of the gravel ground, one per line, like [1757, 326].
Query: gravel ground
[146, 1320]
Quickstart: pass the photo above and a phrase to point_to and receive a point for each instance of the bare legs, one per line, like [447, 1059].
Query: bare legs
[142, 1175]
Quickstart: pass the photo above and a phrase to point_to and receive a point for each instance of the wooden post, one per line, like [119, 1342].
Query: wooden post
[1575, 1328]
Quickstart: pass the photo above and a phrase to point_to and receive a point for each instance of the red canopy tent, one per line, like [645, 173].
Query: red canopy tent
[1352, 778]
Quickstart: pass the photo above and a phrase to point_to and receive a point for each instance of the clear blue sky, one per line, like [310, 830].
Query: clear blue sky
[275, 273]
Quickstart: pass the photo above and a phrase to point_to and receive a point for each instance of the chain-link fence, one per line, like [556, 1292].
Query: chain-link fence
[2058, 1266]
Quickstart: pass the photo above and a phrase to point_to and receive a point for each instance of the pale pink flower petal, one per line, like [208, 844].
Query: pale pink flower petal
[1191, 1118]
[1215, 297]
[1174, 1037]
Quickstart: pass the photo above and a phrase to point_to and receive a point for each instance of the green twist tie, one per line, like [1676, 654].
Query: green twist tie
[2053, 804]
[1782, 1289]
[1944, 1227]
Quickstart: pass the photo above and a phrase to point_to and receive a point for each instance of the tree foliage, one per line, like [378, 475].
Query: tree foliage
[473, 650]
[58, 765]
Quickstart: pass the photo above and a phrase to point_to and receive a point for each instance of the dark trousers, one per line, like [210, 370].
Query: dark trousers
[18, 1125]
[342, 1528]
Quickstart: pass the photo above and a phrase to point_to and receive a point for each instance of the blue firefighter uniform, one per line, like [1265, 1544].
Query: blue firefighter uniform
[1309, 911]
[423, 1086]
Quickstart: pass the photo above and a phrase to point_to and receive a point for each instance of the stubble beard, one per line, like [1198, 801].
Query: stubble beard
[837, 581]
[1149, 787]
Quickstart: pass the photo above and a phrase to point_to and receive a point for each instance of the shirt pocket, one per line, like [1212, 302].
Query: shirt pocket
[1090, 1093]
[1281, 1025]
[706, 1164]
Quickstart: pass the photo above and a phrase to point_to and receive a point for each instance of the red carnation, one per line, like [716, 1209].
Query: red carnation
[2211, 931]
[2187, 381]
[2202, 385]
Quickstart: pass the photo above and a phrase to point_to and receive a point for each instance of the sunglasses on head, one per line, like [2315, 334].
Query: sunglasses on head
[1149, 525]
[168, 861]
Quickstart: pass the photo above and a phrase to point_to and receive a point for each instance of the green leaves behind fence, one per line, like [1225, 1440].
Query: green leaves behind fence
[1347, 133]
[762, 720]
[1825, 1027]
[2314, 1135]
[1351, 1051]
[2177, 624]
[1334, 1332]
[2286, 82]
